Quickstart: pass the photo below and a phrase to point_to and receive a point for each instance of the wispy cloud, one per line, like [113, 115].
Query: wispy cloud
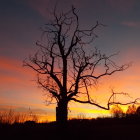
[131, 23]
[122, 5]
[41, 6]
[45, 7]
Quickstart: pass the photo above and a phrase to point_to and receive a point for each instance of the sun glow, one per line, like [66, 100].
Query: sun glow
[16, 84]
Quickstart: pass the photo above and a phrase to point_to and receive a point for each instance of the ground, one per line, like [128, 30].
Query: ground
[99, 129]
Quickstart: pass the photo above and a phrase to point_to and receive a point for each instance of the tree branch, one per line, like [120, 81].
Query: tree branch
[109, 101]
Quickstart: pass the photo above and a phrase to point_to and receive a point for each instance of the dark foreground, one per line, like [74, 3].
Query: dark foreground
[100, 129]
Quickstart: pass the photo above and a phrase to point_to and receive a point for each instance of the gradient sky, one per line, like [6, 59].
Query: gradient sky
[20, 22]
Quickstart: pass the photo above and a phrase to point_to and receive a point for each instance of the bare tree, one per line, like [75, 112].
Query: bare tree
[67, 66]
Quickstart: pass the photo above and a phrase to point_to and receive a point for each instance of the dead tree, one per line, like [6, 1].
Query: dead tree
[67, 64]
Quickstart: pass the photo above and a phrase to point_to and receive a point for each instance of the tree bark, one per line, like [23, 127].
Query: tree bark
[62, 113]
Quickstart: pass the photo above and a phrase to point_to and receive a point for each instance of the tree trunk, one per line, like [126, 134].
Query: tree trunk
[62, 113]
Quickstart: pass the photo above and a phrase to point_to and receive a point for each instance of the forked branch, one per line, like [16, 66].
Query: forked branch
[110, 101]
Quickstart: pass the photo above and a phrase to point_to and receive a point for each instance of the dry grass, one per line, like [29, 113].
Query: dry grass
[11, 117]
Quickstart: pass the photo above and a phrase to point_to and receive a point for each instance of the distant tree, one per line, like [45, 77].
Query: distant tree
[131, 110]
[138, 111]
[81, 116]
[67, 64]
[117, 111]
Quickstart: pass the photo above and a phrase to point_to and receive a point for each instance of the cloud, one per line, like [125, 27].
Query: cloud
[131, 23]
[40, 6]
[13, 75]
[16, 83]
[13, 65]
[45, 7]
[122, 5]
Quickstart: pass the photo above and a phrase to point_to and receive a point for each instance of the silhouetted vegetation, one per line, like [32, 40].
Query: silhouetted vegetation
[125, 128]
[117, 127]
[132, 111]
[10, 117]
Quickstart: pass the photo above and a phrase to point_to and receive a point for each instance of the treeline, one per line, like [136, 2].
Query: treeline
[132, 110]
[10, 116]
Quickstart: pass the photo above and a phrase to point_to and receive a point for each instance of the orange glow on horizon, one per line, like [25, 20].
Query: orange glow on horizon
[19, 81]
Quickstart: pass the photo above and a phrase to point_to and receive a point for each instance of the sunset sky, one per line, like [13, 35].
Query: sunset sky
[20, 22]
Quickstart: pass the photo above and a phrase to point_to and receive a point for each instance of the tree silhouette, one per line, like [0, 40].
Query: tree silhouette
[117, 111]
[131, 110]
[67, 64]
[138, 111]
